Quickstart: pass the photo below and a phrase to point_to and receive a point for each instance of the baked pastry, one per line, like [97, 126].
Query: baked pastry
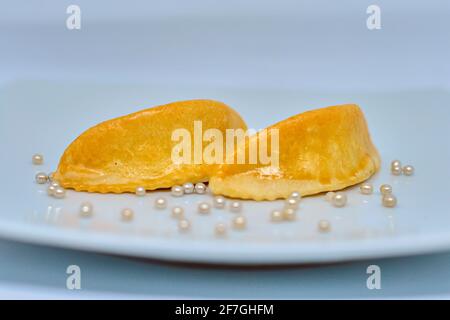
[322, 150]
[135, 150]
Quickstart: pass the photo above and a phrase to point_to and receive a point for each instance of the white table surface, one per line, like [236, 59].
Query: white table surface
[33, 272]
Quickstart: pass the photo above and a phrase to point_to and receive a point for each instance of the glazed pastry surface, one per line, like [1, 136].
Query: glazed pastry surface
[135, 150]
[321, 150]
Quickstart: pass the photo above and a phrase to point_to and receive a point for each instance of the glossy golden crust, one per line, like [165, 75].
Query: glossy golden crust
[322, 150]
[135, 150]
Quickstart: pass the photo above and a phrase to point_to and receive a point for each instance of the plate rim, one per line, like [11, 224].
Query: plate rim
[246, 254]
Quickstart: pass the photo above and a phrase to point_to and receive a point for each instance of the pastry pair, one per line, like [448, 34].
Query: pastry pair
[317, 151]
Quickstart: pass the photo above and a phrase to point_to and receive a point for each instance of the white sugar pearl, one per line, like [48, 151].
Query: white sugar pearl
[276, 216]
[295, 195]
[140, 191]
[339, 200]
[289, 214]
[204, 207]
[396, 163]
[184, 225]
[291, 203]
[200, 188]
[324, 226]
[188, 187]
[329, 196]
[239, 223]
[177, 212]
[366, 188]
[408, 170]
[51, 190]
[59, 192]
[220, 230]
[86, 209]
[385, 189]
[235, 206]
[160, 203]
[177, 191]
[389, 201]
[396, 171]
[219, 202]
[127, 214]
[38, 159]
[41, 178]
[54, 183]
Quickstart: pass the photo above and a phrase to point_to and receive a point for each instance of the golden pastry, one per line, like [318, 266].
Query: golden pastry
[135, 150]
[321, 150]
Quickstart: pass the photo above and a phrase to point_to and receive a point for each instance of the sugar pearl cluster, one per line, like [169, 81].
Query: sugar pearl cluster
[289, 210]
[53, 189]
[397, 169]
[337, 199]
[218, 202]
[387, 198]
[188, 188]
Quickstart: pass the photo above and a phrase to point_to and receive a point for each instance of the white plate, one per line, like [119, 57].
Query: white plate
[410, 126]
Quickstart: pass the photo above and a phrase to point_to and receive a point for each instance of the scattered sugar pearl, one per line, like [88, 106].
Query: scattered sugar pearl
[54, 184]
[289, 214]
[389, 201]
[41, 178]
[177, 212]
[235, 206]
[339, 200]
[188, 187]
[219, 202]
[59, 192]
[204, 208]
[396, 171]
[396, 163]
[291, 203]
[366, 188]
[200, 188]
[324, 226]
[276, 216]
[408, 170]
[295, 195]
[160, 203]
[140, 191]
[329, 196]
[184, 225]
[239, 223]
[386, 189]
[86, 209]
[51, 190]
[127, 214]
[38, 159]
[220, 230]
[177, 191]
